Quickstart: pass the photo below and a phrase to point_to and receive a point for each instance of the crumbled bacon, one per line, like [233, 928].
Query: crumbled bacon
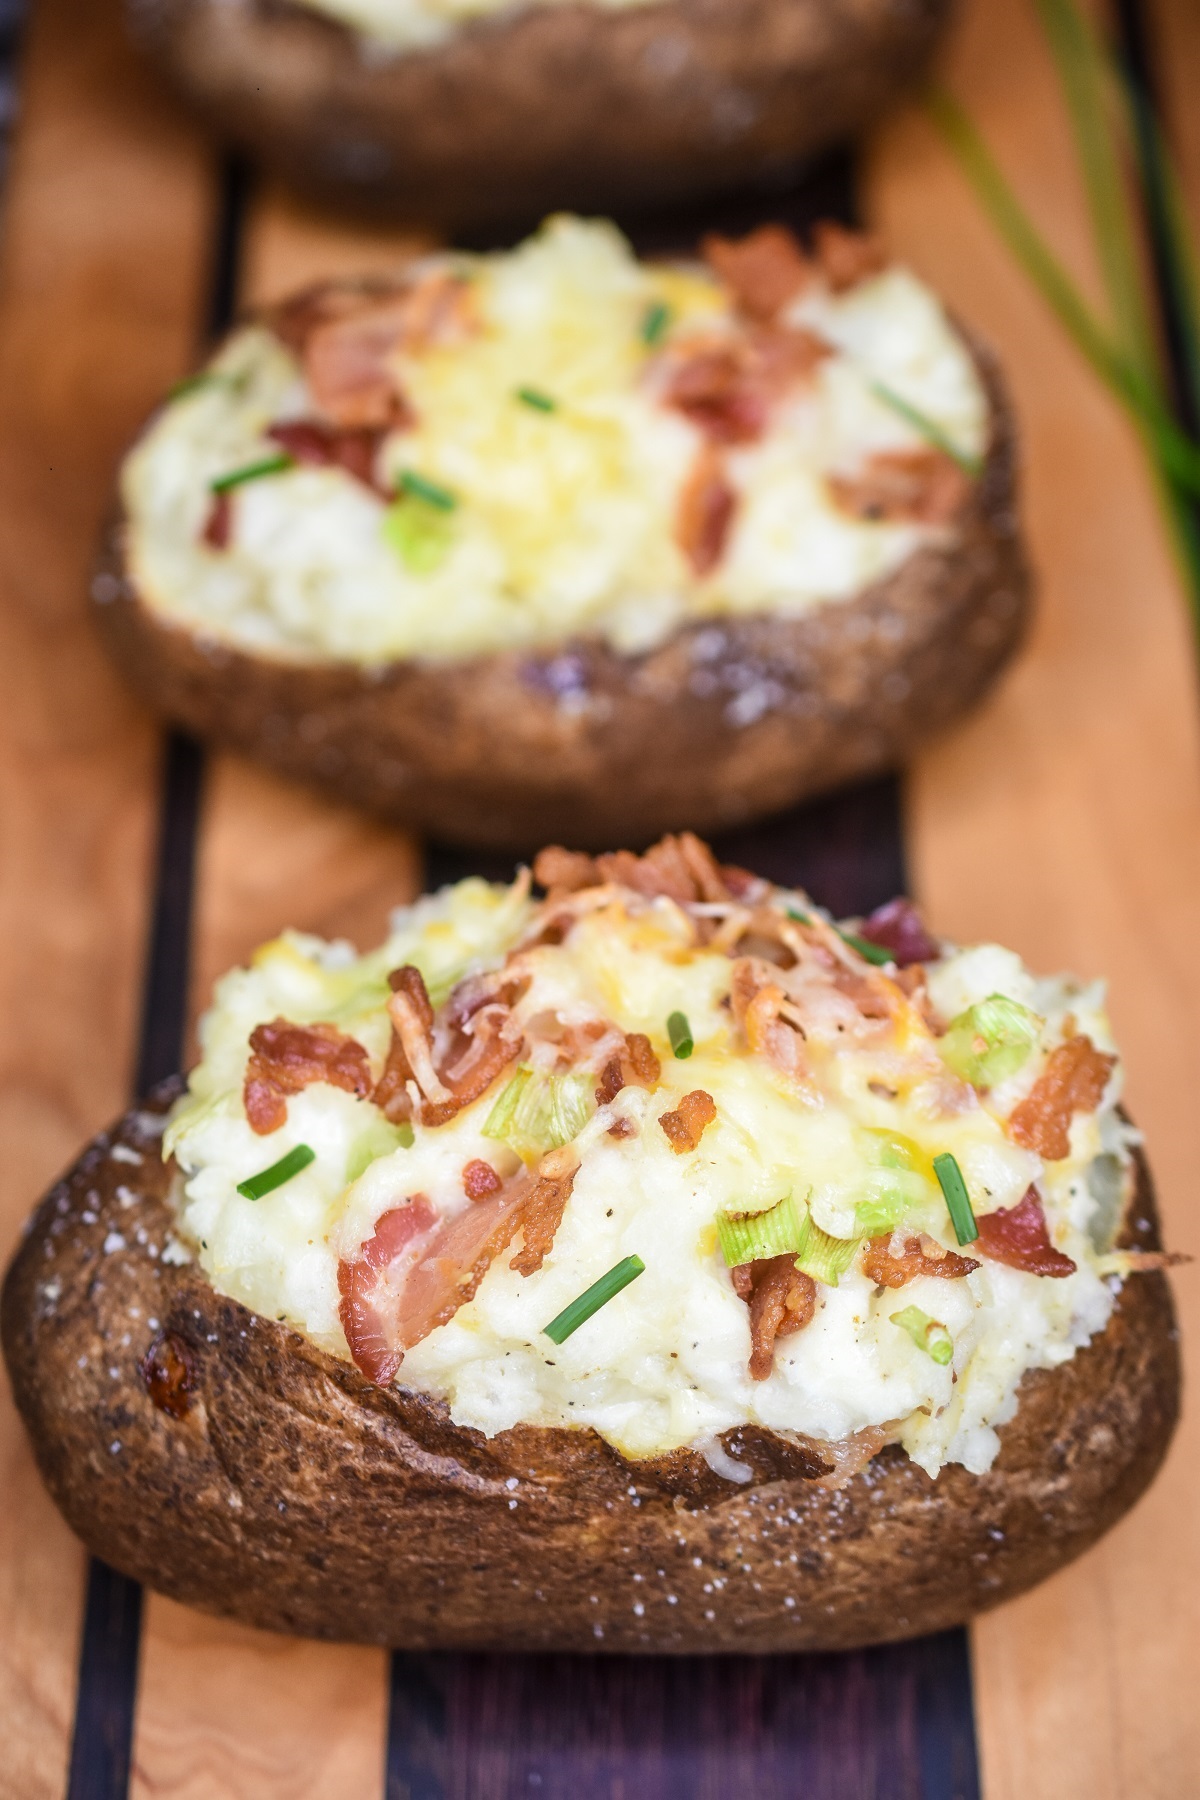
[285, 1058]
[415, 1273]
[369, 1286]
[1017, 1235]
[1073, 1080]
[895, 1260]
[480, 1179]
[542, 1213]
[345, 338]
[782, 1300]
[482, 1045]
[686, 1125]
[897, 926]
[847, 257]
[727, 386]
[622, 1128]
[353, 449]
[635, 1065]
[218, 525]
[706, 507]
[922, 487]
[169, 1375]
[763, 270]
[771, 1025]
[680, 868]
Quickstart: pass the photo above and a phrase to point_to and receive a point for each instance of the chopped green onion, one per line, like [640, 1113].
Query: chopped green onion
[420, 534]
[801, 918]
[958, 1201]
[592, 1299]
[534, 397]
[194, 384]
[882, 1213]
[269, 465]
[929, 429]
[536, 1113]
[654, 323]
[823, 1257]
[424, 489]
[680, 1034]
[926, 1333]
[747, 1237]
[267, 1180]
[872, 953]
[989, 1041]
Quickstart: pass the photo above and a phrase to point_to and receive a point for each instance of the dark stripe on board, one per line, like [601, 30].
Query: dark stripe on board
[106, 1695]
[890, 1724]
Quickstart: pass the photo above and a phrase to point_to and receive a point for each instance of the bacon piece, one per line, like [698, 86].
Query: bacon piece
[763, 270]
[169, 1375]
[782, 1300]
[329, 447]
[771, 1027]
[1017, 1235]
[480, 1179]
[847, 257]
[285, 1058]
[680, 868]
[895, 1260]
[544, 1208]
[218, 525]
[686, 1125]
[370, 1286]
[705, 513]
[635, 1065]
[492, 1048]
[1073, 1080]
[482, 1047]
[711, 387]
[346, 342]
[897, 926]
[622, 1128]
[922, 487]
[455, 1260]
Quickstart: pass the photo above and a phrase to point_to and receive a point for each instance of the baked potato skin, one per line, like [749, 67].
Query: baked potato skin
[294, 1495]
[730, 719]
[554, 106]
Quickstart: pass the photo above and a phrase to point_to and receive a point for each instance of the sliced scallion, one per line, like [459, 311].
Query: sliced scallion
[926, 1333]
[928, 428]
[592, 1299]
[680, 1034]
[421, 535]
[195, 384]
[255, 471]
[424, 489]
[958, 1201]
[989, 1041]
[537, 400]
[267, 1180]
[822, 1256]
[747, 1237]
[655, 321]
[535, 1113]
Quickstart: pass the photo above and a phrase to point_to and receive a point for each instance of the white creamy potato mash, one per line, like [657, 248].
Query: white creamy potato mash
[397, 25]
[565, 509]
[665, 1363]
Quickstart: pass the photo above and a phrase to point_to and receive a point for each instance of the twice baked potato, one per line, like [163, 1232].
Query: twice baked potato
[558, 545]
[471, 112]
[654, 1266]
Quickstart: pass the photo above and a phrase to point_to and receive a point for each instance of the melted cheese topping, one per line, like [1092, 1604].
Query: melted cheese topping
[664, 1364]
[565, 522]
[397, 25]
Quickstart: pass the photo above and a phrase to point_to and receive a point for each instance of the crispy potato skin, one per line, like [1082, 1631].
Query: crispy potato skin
[296, 1496]
[728, 720]
[543, 108]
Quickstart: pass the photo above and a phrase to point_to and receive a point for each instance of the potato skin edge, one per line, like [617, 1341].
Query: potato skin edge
[580, 745]
[297, 1497]
[542, 109]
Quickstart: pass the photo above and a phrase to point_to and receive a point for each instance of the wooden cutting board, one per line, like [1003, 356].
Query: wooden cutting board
[1064, 818]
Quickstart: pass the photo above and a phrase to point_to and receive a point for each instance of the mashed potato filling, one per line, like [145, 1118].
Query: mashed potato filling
[398, 25]
[544, 483]
[851, 1130]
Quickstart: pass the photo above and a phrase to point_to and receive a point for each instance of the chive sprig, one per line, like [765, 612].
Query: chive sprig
[267, 1180]
[592, 1299]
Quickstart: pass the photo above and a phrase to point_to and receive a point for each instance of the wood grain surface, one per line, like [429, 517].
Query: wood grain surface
[91, 327]
[1064, 819]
